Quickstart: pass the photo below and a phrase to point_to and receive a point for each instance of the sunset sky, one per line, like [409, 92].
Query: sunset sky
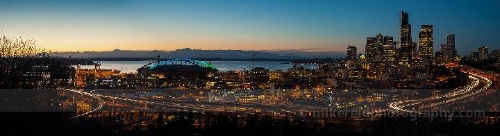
[312, 25]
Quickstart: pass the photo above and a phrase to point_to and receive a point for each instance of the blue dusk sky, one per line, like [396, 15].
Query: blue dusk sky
[308, 25]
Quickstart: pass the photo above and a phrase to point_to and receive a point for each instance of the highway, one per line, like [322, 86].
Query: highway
[175, 105]
[101, 102]
[479, 84]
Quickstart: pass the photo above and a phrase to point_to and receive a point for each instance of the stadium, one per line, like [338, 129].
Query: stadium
[178, 72]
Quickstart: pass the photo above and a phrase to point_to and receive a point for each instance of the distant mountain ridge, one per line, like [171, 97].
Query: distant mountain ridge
[198, 53]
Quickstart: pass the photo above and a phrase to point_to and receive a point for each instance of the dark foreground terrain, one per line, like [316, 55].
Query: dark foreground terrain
[203, 124]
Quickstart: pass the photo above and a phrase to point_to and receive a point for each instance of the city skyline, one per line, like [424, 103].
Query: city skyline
[255, 25]
[250, 67]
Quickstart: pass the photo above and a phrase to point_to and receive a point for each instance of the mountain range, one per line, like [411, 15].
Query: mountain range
[200, 54]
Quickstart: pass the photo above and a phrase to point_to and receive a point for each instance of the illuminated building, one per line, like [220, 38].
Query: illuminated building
[406, 44]
[415, 50]
[418, 63]
[448, 49]
[389, 40]
[35, 72]
[450, 42]
[380, 56]
[258, 76]
[483, 52]
[82, 107]
[389, 57]
[371, 54]
[352, 70]
[82, 80]
[351, 52]
[371, 49]
[379, 63]
[425, 48]
[351, 57]
[389, 52]
[379, 45]
[298, 73]
[355, 74]
[362, 61]
[276, 75]
[228, 79]
[439, 58]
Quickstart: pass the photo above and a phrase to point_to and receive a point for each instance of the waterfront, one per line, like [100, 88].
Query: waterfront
[252, 69]
[132, 66]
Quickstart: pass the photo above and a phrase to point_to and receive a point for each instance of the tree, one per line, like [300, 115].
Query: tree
[23, 64]
[11, 47]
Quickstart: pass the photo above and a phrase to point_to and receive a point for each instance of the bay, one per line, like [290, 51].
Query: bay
[132, 66]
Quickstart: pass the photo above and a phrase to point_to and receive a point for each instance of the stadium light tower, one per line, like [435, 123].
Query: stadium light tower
[253, 60]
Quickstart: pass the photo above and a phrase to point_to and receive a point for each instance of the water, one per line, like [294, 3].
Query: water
[241, 65]
[132, 66]
[123, 66]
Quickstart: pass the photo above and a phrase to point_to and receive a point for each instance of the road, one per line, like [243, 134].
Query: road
[101, 102]
[479, 84]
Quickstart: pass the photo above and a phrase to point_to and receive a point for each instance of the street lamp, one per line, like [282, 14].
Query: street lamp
[243, 77]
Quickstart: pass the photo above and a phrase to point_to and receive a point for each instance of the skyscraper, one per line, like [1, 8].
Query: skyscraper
[380, 44]
[450, 42]
[388, 40]
[371, 54]
[379, 54]
[389, 51]
[414, 46]
[389, 56]
[444, 50]
[425, 48]
[406, 50]
[371, 48]
[351, 57]
[483, 52]
[351, 52]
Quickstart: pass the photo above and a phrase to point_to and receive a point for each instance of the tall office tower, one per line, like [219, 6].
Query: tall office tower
[445, 50]
[378, 63]
[426, 43]
[388, 40]
[371, 54]
[425, 48]
[371, 48]
[450, 41]
[351, 57]
[483, 52]
[414, 52]
[389, 56]
[405, 41]
[351, 52]
[380, 44]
